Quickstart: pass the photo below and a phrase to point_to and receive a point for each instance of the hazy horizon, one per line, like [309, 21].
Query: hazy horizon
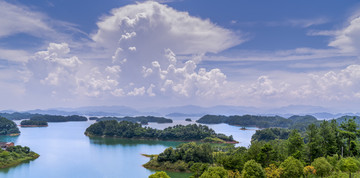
[179, 52]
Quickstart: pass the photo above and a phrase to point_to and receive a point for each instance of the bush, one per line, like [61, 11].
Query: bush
[253, 169]
[322, 166]
[292, 167]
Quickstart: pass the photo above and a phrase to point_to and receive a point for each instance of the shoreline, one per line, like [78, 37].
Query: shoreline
[18, 162]
[200, 141]
[163, 169]
[33, 125]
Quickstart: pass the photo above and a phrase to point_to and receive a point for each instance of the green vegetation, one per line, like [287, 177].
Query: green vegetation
[15, 155]
[327, 149]
[142, 119]
[8, 127]
[159, 174]
[33, 123]
[54, 118]
[270, 134]
[294, 122]
[125, 129]
[253, 169]
[16, 115]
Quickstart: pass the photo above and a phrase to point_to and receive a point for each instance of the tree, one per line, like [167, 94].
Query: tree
[322, 166]
[198, 169]
[292, 167]
[349, 165]
[295, 144]
[234, 174]
[313, 145]
[328, 143]
[273, 172]
[160, 174]
[253, 169]
[215, 172]
[266, 155]
[309, 170]
[349, 132]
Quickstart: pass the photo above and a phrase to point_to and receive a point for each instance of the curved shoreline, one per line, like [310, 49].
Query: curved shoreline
[155, 139]
[17, 162]
[33, 125]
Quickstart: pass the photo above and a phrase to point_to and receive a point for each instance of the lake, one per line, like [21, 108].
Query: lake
[66, 152]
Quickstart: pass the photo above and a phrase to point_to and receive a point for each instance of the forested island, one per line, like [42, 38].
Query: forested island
[294, 122]
[142, 119]
[125, 129]
[8, 127]
[33, 123]
[16, 115]
[329, 149]
[56, 118]
[15, 155]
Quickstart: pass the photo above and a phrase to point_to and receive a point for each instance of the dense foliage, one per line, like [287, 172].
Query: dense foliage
[141, 119]
[159, 174]
[294, 122]
[54, 118]
[325, 149]
[33, 123]
[8, 127]
[15, 155]
[125, 129]
[270, 134]
[16, 115]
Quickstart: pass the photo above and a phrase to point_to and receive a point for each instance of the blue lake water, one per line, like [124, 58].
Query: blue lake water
[66, 152]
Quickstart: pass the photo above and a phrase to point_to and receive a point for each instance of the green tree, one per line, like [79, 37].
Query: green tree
[338, 138]
[313, 145]
[292, 167]
[215, 172]
[198, 169]
[252, 169]
[322, 166]
[295, 144]
[349, 131]
[328, 143]
[266, 155]
[160, 174]
[349, 165]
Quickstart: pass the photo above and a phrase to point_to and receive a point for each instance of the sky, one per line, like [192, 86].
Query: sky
[164, 53]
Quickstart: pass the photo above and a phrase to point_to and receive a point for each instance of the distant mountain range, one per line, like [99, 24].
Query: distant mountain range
[192, 111]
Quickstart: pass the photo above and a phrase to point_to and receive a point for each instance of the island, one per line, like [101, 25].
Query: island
[125, 129]
[8, 127]
[294, 122]
[16, 115]
[188, 119]
[144, 120]
[14, 155]
[56, 118]
[33, 123]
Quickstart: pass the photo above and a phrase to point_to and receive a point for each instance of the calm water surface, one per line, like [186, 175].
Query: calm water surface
[66, 152]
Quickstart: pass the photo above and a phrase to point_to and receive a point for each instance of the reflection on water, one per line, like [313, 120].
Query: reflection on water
[5, 138]
[24, 164]
[130, 142]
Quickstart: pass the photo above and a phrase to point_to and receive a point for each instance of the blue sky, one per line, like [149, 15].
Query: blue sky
[179, 52]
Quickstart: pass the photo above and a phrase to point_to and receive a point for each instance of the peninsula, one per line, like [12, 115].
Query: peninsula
[15, 155]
